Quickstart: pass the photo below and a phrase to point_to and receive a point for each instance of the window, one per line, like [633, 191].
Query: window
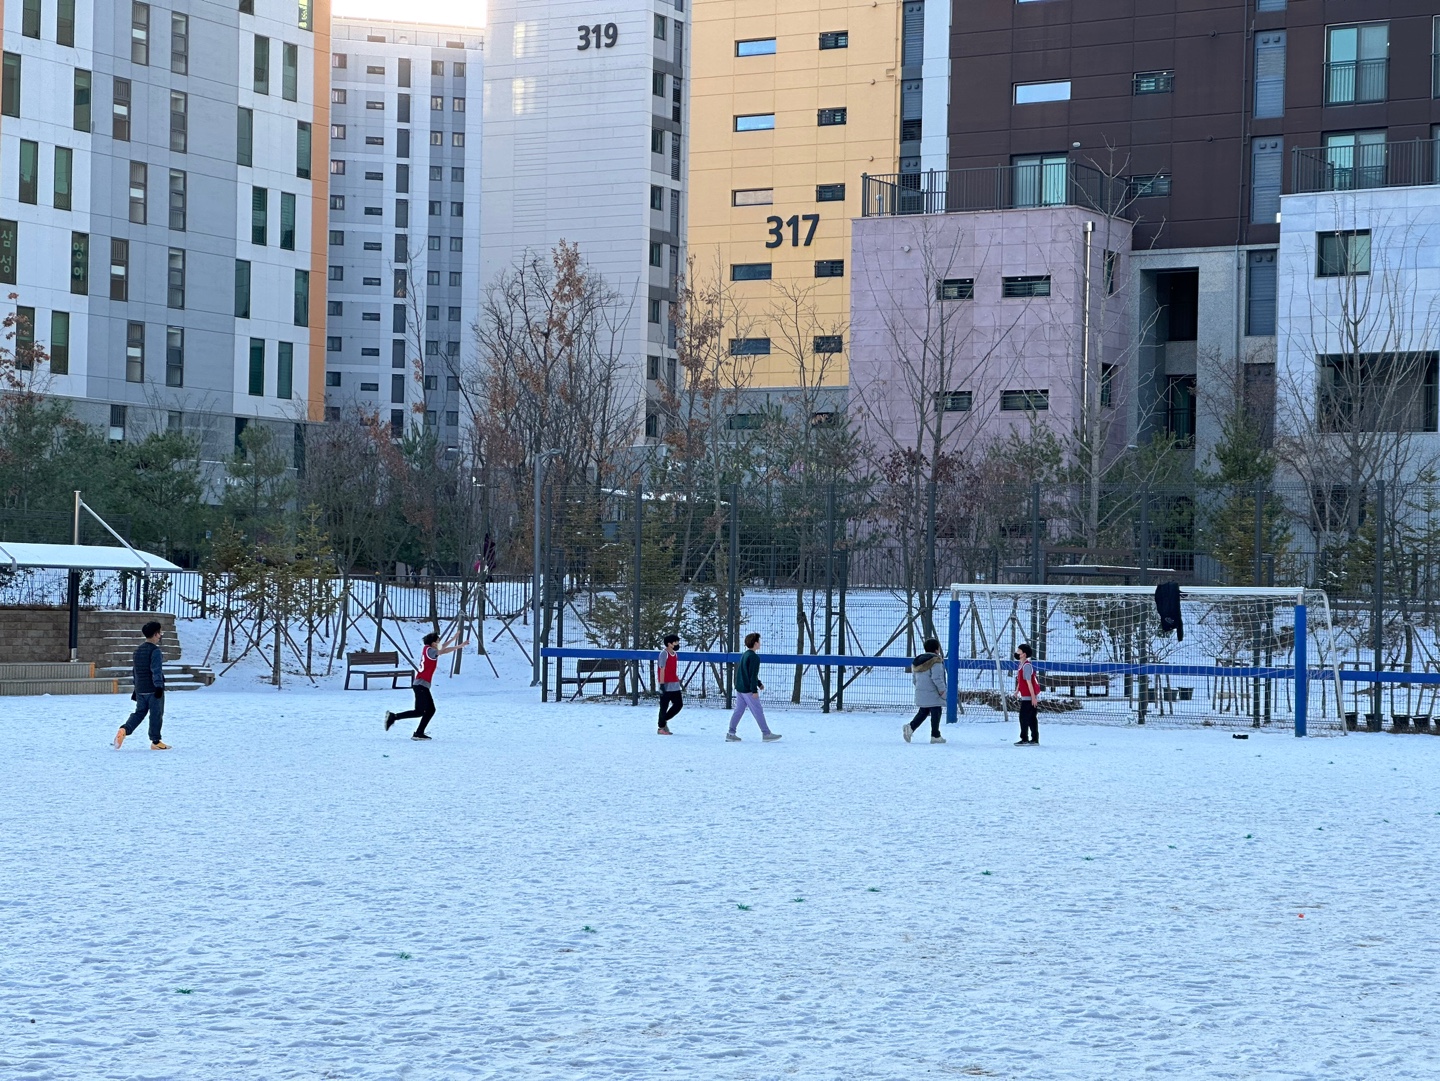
[402, 72]
[397, 388]
[452, 349]
[749, 347]
[1038, 93]
[455, 278]
[744, 272]
[134, 353]
[287, 221]
[259, 215]
[120, 109]
[755, 47]
[374, 69]
[242, 289]
[400, 282]
[437, 138]
[452, 418]
[402, 108]
[1028, 401]
[829, 118]
[81, 116]
[1040, 180]
[1269, 5]
[1260, 294]
[59, 343]
[437, 67]
[955, 289]
[457, 210]
[302, 149]
[829, 268]
[174, 356]
[457, 174]
[657, 141]
[751, 122]
[64, 177]
[369, 317]
[829, 193]
[117, 423]
[657, 84]
[1107, 385]
[338, 97]
[29, 171]
[289, 71]
[370, 281]
[284, 370]
[30, 19]
[175, 278]
[745, 422]
[1343, 255]
[452, 315]
[377, 174]
[1152, 82]
[1355, 159]
[657, 256]
[119, 269]
[653, 312]
[335, 273]
[138, 200]
[1267, 164]
[828, 343]
[139, 33]
[1111, 261]
[1152, 184]
[80, 263]
[402, 213]
[1180, 409]
[179, 43]
[1270, 74]
[337, 131]
[1357, 63]
[1032, 285]
[177, 200]
[65, 35]
[24, 335]
[457, 138]
[835, 39]
[452, 382]
[257, 367]
[457, 243]
[301, 299]
[1378, 392]
[432, 277]
[402, 179]
[432, 349]
[179, 121]
[337, 202]
[955, 401]
[245, 137]
[739, 197]
[9, 239]
[660, 27]
[458, 69]
[337, 238]
[10, 90]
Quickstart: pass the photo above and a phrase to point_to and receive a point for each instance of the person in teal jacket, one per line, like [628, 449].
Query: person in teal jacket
[747, 691]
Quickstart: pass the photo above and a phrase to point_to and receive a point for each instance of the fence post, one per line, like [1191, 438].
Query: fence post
[952, 661]
[732, 606]
[1259, 532]
[844, 587]
[826, 672]
[1036, 575]
[635, 610]
[1144, 657]
[1302, 671]
[1378, 632]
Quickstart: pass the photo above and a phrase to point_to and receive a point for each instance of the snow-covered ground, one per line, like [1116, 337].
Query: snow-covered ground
[554, 892]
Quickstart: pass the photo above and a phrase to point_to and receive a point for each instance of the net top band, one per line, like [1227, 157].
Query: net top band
[1292, 594]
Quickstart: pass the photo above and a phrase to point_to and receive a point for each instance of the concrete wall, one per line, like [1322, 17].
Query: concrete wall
[31, 634]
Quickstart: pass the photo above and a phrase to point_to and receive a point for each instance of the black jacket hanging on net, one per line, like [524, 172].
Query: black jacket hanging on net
[1167, 604]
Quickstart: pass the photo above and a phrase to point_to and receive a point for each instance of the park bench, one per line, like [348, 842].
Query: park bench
[1053, 681]
[592, 671]
[370, 666]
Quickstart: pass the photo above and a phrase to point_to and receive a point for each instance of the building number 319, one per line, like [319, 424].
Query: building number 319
[591, 37]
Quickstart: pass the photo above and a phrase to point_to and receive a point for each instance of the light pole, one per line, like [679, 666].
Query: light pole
[540, 460]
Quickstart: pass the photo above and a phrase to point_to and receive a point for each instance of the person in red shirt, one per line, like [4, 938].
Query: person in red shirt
[1027, 687]
[424, 703]
[667, 667]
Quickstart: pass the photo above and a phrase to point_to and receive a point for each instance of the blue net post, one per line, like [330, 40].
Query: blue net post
[1302, 671]
[952, 662]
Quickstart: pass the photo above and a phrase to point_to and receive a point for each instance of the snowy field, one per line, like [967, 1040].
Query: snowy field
[555, 892]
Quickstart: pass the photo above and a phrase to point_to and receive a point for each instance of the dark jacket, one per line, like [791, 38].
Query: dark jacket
[747, 673]
[149, 669]
[1167, 606]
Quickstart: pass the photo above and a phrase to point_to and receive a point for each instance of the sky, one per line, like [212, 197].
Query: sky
[444, 12]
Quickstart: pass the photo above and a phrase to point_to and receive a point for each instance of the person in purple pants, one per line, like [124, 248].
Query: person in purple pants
[747, 692]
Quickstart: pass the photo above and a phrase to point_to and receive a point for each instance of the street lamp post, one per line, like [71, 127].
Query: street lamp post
[540, 460]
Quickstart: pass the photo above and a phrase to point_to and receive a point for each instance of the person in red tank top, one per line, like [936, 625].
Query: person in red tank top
[667, 674]
[1027, 688]
[430, 656]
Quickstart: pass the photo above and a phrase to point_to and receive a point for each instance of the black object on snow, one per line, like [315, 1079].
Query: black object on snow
[1167, 604]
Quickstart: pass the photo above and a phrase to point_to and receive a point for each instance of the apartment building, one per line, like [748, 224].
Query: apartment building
[586, 141]
[793, 104]
[1234, 140]
[403, 263]
[162, 209]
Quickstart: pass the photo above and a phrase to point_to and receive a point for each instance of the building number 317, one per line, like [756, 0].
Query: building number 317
[598, 37]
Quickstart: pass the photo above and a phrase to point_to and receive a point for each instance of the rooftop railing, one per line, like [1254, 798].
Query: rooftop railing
[1359, 167]
[1000, 187]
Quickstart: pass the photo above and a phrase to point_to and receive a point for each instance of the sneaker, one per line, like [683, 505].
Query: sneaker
[663, 732]
[1022, 743]
[419, 735]
[158, 746]
[389, 720]
[906, 731]
[770, 737]
[937, 739]
[731, 737]
[119, 738]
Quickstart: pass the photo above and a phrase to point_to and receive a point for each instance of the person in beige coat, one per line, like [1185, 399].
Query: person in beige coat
[928, 672]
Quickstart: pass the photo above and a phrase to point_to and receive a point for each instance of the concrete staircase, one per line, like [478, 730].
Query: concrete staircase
[178, 677]
[56, 677]
[116, 653]
[107, 642]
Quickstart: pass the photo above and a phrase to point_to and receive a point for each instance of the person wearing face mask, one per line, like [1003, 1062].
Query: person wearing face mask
[1027, 689]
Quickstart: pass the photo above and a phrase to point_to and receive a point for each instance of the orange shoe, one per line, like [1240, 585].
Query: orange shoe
[120, 737]
[158, 746]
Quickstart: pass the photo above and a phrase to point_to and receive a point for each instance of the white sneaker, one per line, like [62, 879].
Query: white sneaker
[770, 737]
[937, 739]
[731, 737]
[906, 731]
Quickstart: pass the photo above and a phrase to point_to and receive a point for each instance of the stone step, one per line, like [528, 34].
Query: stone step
[47, 670]
[58, 686]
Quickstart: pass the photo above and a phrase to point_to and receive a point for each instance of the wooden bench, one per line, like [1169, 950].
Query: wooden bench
[365, 665]
[1055, 680]
[592, 671]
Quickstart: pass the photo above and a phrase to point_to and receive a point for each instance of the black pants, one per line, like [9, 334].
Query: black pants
[670, 704]
[934, 713]
[1029, 722]
[424, 709]
[145, 703]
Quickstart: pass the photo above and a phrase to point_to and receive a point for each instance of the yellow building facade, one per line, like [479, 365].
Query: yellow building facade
[791, 102]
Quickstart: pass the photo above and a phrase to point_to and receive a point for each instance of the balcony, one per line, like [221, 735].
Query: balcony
[1365, 166]
[1001, 187]
[1356, 82]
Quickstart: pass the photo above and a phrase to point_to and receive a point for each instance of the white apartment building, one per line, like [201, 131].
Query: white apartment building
[162, 206]
[403, 264]
[586, 140]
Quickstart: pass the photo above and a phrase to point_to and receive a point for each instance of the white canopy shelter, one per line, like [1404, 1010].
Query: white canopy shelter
[80, 557]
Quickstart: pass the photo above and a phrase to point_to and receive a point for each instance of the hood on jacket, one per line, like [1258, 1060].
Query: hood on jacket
[924, 662]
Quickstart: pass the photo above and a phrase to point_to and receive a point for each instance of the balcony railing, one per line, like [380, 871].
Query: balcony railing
[1356, 168]
[1355, 82]
[1001, 187]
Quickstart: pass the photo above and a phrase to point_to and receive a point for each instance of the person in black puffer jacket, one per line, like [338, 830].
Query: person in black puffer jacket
[148, 671]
